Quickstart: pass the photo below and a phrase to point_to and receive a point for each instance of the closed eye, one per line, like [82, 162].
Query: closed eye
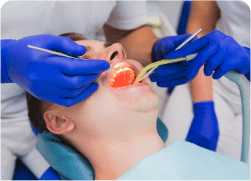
[85, 57]
[88, 48]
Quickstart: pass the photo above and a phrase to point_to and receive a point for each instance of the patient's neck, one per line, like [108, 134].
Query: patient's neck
[112, 157]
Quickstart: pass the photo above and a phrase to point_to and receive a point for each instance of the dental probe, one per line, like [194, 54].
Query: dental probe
[59, 53]
[189, 39]
[180, 46]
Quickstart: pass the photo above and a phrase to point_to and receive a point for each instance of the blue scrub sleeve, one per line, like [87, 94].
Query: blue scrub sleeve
[4, 73]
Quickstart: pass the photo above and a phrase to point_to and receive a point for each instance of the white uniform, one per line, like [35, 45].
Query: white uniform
[26, 18]
[235, 21]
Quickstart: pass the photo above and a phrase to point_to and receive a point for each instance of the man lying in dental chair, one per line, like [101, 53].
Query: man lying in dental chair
[112, 134]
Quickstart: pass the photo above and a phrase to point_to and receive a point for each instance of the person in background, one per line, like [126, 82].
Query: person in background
[224, 49]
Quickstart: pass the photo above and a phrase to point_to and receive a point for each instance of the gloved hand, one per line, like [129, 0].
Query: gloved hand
[50, 174]
[219, 53]
[204, 130]
[51, 78]
[171, 74]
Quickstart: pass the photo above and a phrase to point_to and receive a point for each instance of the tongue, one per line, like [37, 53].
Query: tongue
[118, 80]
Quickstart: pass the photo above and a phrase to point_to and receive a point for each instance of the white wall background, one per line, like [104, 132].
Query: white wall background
[172, 10]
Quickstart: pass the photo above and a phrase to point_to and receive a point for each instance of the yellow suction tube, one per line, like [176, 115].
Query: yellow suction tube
[152, 65]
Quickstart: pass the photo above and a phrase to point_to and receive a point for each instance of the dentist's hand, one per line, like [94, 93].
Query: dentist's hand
[61, 80]
[219, 53]
[204, 130]
[172, 74]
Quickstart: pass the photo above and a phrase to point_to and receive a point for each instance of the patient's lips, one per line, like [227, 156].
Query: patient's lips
[125, 76]
[135, 96]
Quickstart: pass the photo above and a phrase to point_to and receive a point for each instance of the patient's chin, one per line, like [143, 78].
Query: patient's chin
[148, 107]
[147, 103]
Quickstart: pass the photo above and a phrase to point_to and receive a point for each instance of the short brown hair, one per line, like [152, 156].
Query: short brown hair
[36, 107]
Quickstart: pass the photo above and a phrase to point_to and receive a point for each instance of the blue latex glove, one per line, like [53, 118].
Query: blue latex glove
[219, 53]
[248, 76]
[172, 74]
[204, 130]
[50, 174]
[51, 78]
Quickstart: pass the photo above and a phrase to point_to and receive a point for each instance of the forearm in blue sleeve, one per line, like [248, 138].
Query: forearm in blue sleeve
[4, 74]
[248, 75]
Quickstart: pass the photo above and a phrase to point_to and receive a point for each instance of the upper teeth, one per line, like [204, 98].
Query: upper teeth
[121, 70]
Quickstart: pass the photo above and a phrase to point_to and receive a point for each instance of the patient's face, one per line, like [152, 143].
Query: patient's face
[116, 101]
[111, 82]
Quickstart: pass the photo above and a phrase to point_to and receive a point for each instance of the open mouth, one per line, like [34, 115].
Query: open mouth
[125, 76]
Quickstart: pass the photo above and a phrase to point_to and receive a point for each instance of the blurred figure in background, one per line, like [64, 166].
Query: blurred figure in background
[231, 18]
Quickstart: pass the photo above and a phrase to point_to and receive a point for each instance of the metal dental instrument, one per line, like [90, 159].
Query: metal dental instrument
[59, 53]
[180, 46]
[189, 39]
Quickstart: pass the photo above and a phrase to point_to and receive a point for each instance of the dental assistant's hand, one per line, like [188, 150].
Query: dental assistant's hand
[61, 80]
[219, 53]
[204, 130]
[171, 74]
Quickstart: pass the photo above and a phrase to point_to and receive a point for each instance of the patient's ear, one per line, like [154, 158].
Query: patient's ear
[56, 124]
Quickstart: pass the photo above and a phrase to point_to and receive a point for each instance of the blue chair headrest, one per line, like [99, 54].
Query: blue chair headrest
[67, 161]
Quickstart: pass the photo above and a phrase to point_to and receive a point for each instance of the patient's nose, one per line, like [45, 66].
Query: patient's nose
[116, 51]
